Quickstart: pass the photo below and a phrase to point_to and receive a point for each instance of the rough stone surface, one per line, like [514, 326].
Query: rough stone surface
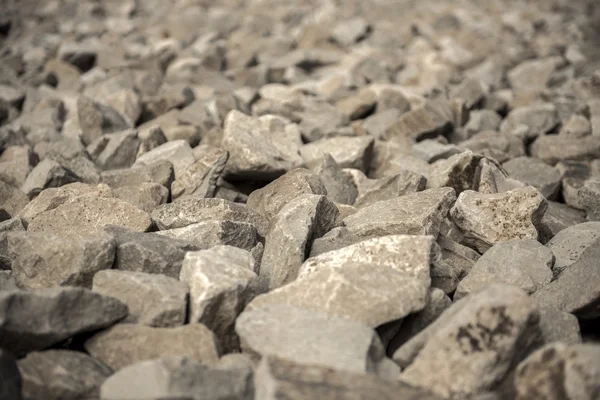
[221, 284]
[12, 200]
[525, 264]
[305, 337]
[568, 245]
[472, 345]
[48, 173]
[208, 234]
[200, 178]
[348, 152]
[127, 344]
[557, 218]
[487, 219]
[152, 299]
[43, 260]
[349, 292]
[536, 173]
[294, 228]
[178, 377]
[560, 371]
[62, 375]
[418, 213]
[339, 186]
[178, 153]
[457, 172]
[54, 315]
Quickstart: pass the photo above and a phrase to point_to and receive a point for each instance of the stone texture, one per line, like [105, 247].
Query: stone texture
[538, 118]
[177, 152]
[589, 199]
[54, 315]
[525, 264]
[559, 326]
[340, 188]
[160, 172]
[221, 284]
[536, 173]
[149, 252]
[62, 375]
[575, 290]
[127, 344]
[119, 151]
[277, 378]
[487, 219]
[401, 184]
[568, 245]
[348, 152]
[269, 200]
[426, 122]
[554, 148]
[208, 234]
[557, 218]
[472, 345]
[371, 294]
[48, 173]
[559, 371]
[261, 148]
[12, 200]
[193, 210]
[145, 196]
[418, 213]
[90, 214]
[298, 223]
[200, 178]
[152, 299]
[44, 260]
[458, 172]
[178, 377]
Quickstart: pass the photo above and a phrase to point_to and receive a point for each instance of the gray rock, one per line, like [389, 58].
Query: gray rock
[339, 187]
[458, 172]
[480, 121]
[358, 104]
[53, 315]
[150, 138]
[378, 123]
[575, 290]
[98, 211]
[577, 126]
[575, 174]
[319, 119]
[426, 122]
[458, 257]
[560, 371]
[497, 145]
[208, 234]
[558, 326]
[96, 119]
[415, 323]
[492, 178]
[538, 118]
[119, 151]
[536, 173]
[12, 200]
[348, 152]
[200, 178]
[160, 172]
[533, 75]
[48, 173]
[418, 213]
[127, 344]
[589, 199]
[221, 284]
[487, 219]
[152, 299]
[350, 31]
[401, 184]
[371, 294]
[178, 377]
[335, 239]
[71, 155]
[277, 378]
[410, 255]
[146, 196]
[431, 150]
[193, 210]
[61, 375]
[261, 148]
[149, 252]
[310, 338]
[525, 264]
[472, 345]
[295, 226]
[177, 152]
[15, 164]
[558, 217]
[43, 260]
[554, 148]
[7, 281]
[269, 200]
[568, 245]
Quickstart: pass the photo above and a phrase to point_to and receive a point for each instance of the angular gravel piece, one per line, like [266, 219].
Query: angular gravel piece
[569, 244]
[152, 299]
[348, 152]
[178, 152]
[54, 315]
[536, 173]
[208, 234]
[126, 344]
[62, 375]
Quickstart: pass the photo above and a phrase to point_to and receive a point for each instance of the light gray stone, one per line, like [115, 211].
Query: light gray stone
[48, 173]
[177, 152]
[61, 375]
[557, 218]
[221, 284]
[568, 245]
[538, 118]
[348, 152]
[487, 219]
[350, 31]
[160, 172]
[472, 345]
[200, 178]
[558, 326]
[536, 173]
[589, 199]
[426, 122]
[208, 234]
[554, 148]
[298, 223]
[358, 104]
[152, 299]
[339, 187]
[127, 344]
[458, 172]
[560, 371]
[12, 200]
[145, 196]
[525, 264]
[401, 184]
[54, 314]
[44, 260]
[418, 213]
[119, 151]
[431, 150]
